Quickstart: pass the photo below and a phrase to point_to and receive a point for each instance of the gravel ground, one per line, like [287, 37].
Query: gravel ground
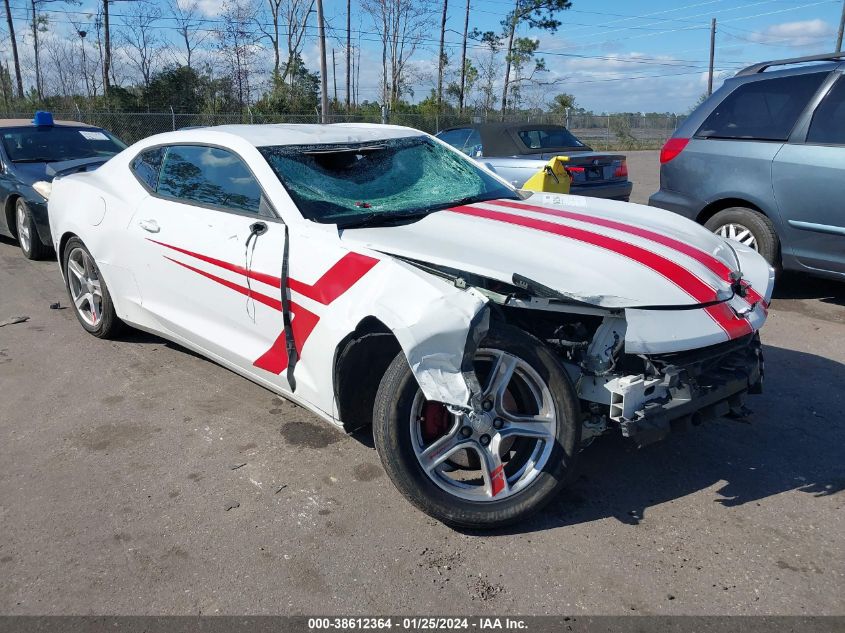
[138, 478]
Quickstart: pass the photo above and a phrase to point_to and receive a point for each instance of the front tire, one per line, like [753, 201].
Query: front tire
[748, 227]
[28, 240]
[88, 291]
[497, 465]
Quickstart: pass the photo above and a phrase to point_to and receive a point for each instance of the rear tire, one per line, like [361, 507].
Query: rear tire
[755, 229]
[521, 490]
[27, 233]
[88, 292]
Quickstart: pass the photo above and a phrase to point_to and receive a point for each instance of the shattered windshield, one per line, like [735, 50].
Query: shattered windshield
[390, 178]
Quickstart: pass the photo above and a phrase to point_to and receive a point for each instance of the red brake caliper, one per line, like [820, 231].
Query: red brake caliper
[434, 421]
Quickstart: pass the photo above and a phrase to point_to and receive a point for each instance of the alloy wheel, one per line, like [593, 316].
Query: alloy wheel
[85, 287]
[737, 233]
[24, 235]
[497, 450]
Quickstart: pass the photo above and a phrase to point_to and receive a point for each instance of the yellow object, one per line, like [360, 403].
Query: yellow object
[553, 177]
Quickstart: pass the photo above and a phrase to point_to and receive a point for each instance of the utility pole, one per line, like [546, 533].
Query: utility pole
[841, 28]
[348, 51]
[440, 59]
[712, 55]
[464, 61]
[107, 54]
[324, 89]
[334, 76]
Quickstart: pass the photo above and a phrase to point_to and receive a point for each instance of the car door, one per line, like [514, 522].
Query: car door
[808, 178]
[209, 253]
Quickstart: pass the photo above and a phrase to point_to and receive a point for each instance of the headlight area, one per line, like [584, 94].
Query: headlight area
[43, 188]
[644, 396]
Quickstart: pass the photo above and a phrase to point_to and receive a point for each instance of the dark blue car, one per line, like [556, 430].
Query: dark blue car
[32, 153]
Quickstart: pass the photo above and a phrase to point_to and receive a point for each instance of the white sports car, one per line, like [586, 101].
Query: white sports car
[373, 274]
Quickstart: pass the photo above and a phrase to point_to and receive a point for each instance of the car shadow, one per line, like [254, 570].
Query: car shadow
[793, 285]
[793, 443]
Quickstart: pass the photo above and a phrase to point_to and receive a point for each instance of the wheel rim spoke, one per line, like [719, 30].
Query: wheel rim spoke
[442, 449]
[500, 377]
[493, 469]
[528, 426]
[77, 270]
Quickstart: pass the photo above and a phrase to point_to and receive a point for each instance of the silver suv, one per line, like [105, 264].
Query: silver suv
[762, 161]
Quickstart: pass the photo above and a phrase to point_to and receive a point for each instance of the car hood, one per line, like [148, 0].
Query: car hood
[605, 253]
[30, 173]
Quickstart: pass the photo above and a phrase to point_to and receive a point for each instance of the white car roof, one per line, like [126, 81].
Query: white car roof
[308, 134]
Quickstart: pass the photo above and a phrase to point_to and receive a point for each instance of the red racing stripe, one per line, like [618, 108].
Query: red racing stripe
[275, 359]
[276, 304]
[337, 279]
[672, 271]
[710, 262]
[334, 282]
[262, 277]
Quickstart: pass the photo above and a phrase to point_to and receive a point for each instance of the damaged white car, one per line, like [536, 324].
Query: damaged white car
[375, 275]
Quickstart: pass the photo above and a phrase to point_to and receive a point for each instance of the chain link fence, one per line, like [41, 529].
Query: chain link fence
[599, 131]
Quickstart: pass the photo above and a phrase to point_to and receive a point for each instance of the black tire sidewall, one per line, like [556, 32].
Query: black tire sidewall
[109, 323]
[768, 244]
[392, 434]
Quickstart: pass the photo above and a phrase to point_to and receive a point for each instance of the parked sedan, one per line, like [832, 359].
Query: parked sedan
[32, 153]
[518, 151]
[377, 276]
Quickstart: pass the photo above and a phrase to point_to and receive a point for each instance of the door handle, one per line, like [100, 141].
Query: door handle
[149, 225]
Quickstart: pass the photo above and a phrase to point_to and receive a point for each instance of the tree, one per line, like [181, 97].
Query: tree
[140, 36]
[235, 42]
[561, 103]
[15, 59]
[538, 14]
[293, 15]
[186, 15]
[298, 93]
[348, 52]
[402, 25]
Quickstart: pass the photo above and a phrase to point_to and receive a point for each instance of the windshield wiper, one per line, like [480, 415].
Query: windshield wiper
[37, 160]
[382, 219]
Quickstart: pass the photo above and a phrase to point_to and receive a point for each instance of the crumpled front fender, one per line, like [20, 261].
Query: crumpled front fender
[439, 341]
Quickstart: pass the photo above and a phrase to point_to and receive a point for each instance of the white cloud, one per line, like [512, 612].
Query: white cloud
[800, 33]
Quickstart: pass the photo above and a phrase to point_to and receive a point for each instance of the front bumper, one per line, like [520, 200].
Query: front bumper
[614, 191]
[689, 388]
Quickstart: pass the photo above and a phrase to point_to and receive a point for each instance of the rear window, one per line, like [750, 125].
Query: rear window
[765, 110]
[55, 144]
[828, 126]
[548, 138]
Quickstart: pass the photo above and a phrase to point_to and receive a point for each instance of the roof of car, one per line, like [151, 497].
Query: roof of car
[311, 133]
[501, 139]
[29, 123]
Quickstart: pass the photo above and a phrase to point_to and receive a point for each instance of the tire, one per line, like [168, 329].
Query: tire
[27, 233]
[759, 227]
[400, 437]
[88, 292]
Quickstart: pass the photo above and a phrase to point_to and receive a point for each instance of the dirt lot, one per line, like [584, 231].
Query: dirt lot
[120, 459]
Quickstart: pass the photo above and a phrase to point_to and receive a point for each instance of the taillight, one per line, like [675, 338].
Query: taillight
[672, 148]
[621, 170]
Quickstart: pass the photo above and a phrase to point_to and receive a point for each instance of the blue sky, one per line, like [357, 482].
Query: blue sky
[613, 55]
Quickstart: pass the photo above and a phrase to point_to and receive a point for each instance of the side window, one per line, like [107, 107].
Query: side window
[828, 124]
[473, 144]
[209, 176]
[455, 138]
[146, 166]
[762, 110]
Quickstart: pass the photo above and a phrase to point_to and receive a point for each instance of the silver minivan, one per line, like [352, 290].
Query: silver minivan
[762, 161]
